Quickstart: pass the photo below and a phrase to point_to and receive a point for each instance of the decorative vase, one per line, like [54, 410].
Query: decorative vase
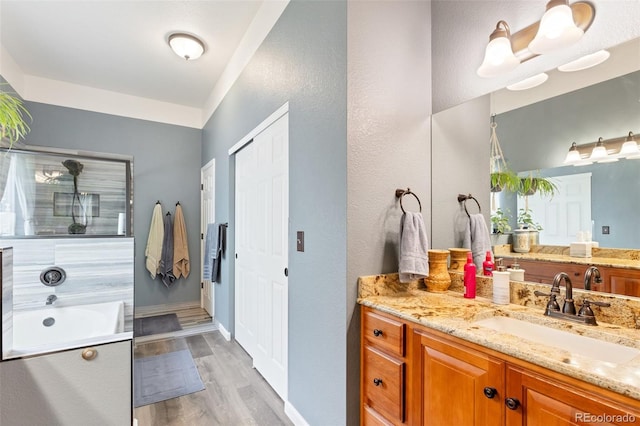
[458, 259]
[534, 238]
[521, 241]
[438, 280]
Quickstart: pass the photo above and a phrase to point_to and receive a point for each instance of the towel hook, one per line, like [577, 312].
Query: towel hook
[401, 193]
[463, 198]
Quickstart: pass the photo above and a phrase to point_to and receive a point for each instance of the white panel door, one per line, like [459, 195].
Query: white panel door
[568, 212]
[207, 215]
[262, 209]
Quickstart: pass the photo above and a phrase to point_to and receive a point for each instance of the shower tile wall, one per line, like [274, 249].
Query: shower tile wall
[98, 270]
[6, 265]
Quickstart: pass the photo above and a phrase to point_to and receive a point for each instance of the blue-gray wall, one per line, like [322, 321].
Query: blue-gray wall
[165, 168]
[538, 136]
[302, 61]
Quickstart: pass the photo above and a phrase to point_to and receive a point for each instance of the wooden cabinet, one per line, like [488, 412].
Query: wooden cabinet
[614, 280]
[540, 400]
[383, 369]
[457, 385]
[432, 378]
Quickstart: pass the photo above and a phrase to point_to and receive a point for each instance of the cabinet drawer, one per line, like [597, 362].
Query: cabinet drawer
[372, 418]
[383, 383]
[384, 333]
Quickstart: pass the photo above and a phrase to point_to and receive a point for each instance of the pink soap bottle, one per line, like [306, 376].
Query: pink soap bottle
[487, 266]
[470, 278]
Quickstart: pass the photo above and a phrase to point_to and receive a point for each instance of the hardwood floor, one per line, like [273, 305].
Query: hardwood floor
[235, 394]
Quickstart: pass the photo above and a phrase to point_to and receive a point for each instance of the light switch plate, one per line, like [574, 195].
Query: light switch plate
[300, 241]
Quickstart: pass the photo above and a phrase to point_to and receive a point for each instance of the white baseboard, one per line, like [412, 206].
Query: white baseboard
[223, 331]
[293, 415]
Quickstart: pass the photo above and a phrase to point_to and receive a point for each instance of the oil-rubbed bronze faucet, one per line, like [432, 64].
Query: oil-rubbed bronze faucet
[585, 315]
[591, 274]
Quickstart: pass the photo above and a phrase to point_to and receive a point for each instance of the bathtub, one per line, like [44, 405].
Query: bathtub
[59, 326]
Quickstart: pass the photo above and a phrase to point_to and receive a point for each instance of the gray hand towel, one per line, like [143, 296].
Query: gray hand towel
[166, 261]
[209, 251]
[414, 261]
[461, 229]
[480, 239]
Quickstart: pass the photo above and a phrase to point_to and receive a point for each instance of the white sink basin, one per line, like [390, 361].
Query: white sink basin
[572, 343]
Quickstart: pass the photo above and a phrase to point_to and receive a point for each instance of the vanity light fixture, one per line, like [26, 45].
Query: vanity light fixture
[600, 154]
[498, 56]
[630, 148]
[561, 25]
[585, 62]
[557, 29]
[573, 156]
[186, 46]
[529, 83]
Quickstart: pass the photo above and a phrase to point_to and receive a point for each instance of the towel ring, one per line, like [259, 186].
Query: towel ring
[463, 199]
[400, 193]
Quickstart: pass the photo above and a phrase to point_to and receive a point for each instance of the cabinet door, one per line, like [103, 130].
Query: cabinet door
[66, 389]
[544, 402]
[458, 385]
[622, 281]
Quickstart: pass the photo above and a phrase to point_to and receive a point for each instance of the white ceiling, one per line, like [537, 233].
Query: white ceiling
[120, 46]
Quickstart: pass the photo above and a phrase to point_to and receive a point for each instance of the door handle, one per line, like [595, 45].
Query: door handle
[286, 272]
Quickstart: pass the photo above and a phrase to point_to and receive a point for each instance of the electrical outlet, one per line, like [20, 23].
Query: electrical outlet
[300, 241]
[605, 230]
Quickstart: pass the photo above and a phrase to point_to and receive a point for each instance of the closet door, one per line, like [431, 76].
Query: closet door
[261, 292]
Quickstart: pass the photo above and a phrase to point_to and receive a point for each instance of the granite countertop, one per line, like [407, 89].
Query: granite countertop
[452, 314]
[616, 258]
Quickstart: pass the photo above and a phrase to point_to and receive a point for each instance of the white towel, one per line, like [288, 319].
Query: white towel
[414, 261]
[480, 239]
[209, 251]
[153, 251]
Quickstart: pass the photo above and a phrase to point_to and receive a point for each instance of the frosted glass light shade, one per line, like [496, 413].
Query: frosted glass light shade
[186, 46]
[498, 58]
[573, 156]
[557, 29]
[599, 152]
[629, 147]
[529, 83]
[585, 62]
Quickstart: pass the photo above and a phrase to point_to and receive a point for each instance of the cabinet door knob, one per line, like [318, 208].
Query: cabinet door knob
[490, 392]
[89, 353]
[377, 332]
[512, 403]
[377, 381]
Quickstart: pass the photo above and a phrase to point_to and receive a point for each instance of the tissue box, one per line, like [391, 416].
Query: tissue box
[580, 249]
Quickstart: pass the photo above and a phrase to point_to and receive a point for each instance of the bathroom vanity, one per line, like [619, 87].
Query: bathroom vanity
[437, 358]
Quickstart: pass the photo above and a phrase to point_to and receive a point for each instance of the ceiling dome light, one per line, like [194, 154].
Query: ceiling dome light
[529, 83]
[498, 56]
[585, 62]
[557, 28]
[186, 46]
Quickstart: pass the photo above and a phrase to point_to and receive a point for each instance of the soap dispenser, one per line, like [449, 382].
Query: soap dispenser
[501, 284]
[470, 278]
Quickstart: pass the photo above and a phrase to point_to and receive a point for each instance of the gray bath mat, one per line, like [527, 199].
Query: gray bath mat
[161, 377]
[156, 325]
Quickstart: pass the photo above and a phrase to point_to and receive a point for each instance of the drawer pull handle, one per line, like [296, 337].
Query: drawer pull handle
[490, 392]
[512, 403]
[89, 354]
[377, 381]
[377, 332]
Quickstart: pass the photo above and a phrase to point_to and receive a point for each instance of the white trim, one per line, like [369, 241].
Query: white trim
[223, 331]
[54, 92]
[260, 128]
[293, 414]
[262, 23]
[212, 161]
[11, 71]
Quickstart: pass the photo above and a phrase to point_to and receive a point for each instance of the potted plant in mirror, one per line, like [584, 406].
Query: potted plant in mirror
[13, 125]
[529, 185]
[500, 226]
[525, 220]
[504, 180]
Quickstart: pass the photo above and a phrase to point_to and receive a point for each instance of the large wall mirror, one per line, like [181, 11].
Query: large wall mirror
[536, 128]
[45, 193]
